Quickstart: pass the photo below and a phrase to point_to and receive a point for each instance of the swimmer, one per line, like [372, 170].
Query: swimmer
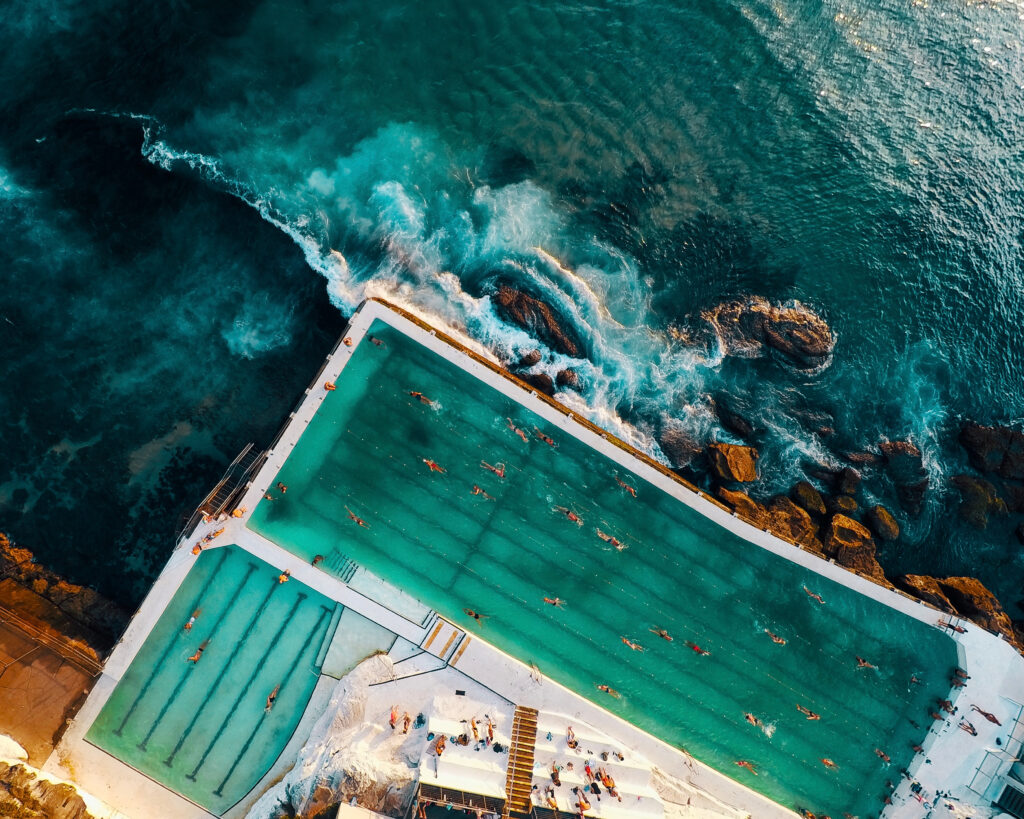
[612, 541]
[807, 712]
[475, 615]
[625, 486]
[753, 720]
[949, 625]
[423, 399]
[608, 690]
[434, 466]
[199, 652]
[557, 602]
[631, 644]
[517, 431]
[562, 510]
[357, 520]
[317, 560]
[498, 470]
[283, 577]
[862, 663]
[376, 342]
[914, 680]
[828, 763]
[282, 487]
[664, 635]
[990, 717]
[814, 595]
[547, 440]
[268, 496]
[191, 620]
[775, 638]
[882, 755]
[330, 386]
[272, 699]
[697, 649]
[744, 764]
[478, 491]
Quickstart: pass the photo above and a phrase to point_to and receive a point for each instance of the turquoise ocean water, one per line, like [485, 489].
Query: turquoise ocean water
[192, 197]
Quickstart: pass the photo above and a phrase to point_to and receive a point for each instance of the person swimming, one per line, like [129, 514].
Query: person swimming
[625, 485]
[807, 712]
[862, 663]
[744, 764]
[828, 763]
[775, 638]
[476, 490]
[608, 690]
[664, 635]
[545, 438]
[753, 720]
[953, 626]
[475, 615]
[423, 399]
[882, 755]
[557, 602]
[517, 431]
[272, 699]
[376, 342]
[612, 541]
[284, 576]
[814, 595]
[563, 510]
[498, 470]
[697, 649]
[434, 466]
[199, 652]
[282, 487]
[632, 645]
[355, 519]
[191, 620]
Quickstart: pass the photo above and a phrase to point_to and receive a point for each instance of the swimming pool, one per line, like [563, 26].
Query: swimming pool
[502, 553]
[202, 729]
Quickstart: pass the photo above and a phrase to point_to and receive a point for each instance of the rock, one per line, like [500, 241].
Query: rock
[808, 498]
[826, 432]
[851, 544]
[843, 504]
[971, 599]
[1013, 493]
[906, 466]
[733, 462]
[847, 480]
[678, 445]
[568, 378]
[793, 523]
[745, 506]
[732, 421]
[540, 381]
[882, 523]
[994, 449]
[528, 360]
[924, 587]
[538, 319]
[978, 499]
[753, 325]
[1019, 532]
[23, 794]
[863, 458]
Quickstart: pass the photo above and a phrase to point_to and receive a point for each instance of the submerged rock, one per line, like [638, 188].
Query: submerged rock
[678, 445]
[978, 500]
[996, 449]
[1013, 494]
[843, 504]
[847, 481]
[864, 458]
[809, 498]
[906, 466]
[851, 544]
[732, 421]
[882, 523]
[539, 319]
[733, 462]
[794, 330]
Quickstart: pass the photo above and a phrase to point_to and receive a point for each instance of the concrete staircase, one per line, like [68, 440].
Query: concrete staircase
[519, 779]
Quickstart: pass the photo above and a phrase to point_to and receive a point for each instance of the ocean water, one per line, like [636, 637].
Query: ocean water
[193, 196]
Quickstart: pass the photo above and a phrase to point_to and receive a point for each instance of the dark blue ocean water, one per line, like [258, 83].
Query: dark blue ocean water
[193, 196]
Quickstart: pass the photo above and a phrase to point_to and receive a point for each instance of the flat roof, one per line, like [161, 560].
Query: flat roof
[587, 523]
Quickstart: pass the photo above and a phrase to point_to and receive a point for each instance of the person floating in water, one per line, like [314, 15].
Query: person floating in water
[990, 717]
[947, 624]
[814, 595]
[423, 399]
[828, 763]
[376, 342]
[862, 663]
[478, 491]
[697, 649]
[498, 470]
[882, 755]
[282, 487]
[563, 510]
[358, 520]
[612, 541]
[664, 635]
[546, 439]
[272, 699]
[330, 386]
[283, 577]
[199, 652]
[775, 638]
[635, 646]
[753, 720]
[744, 764]
[557, 602]
[517, 431]
[807, 712]
[624, 485]
[914, 680]
[475, 615]
[317, 560]
[608, 690]
[191, 620]
[434, 466]
[268, 496]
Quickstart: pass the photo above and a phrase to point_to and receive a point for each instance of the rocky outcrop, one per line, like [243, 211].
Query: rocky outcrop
[1013, 494]
[538, 319]
[809, 498]
[843, 504]
[924, 587]
[733, 462]
[882, 523]
[745, 506]
[732, 421]
[851, 544]
[978, 499]
[781, 517]
[541, 382]
[970, 598]
[529, 359]
[847, 481]
[568, 379]
[995, 449]
[906, 466]
[795, 331]
[678, 445]
[864, 458]
[23, 794]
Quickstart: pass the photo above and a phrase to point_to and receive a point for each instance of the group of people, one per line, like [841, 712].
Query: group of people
[596, 780]
[482, 733]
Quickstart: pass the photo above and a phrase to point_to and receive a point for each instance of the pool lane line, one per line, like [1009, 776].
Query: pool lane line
[259, 724]
[188, 671]
[170, 646]
[235, 652]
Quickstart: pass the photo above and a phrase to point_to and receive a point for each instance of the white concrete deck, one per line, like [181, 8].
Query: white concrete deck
[997, 683]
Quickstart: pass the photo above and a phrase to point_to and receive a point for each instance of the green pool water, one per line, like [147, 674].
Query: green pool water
[431, 536]
[201, 729]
